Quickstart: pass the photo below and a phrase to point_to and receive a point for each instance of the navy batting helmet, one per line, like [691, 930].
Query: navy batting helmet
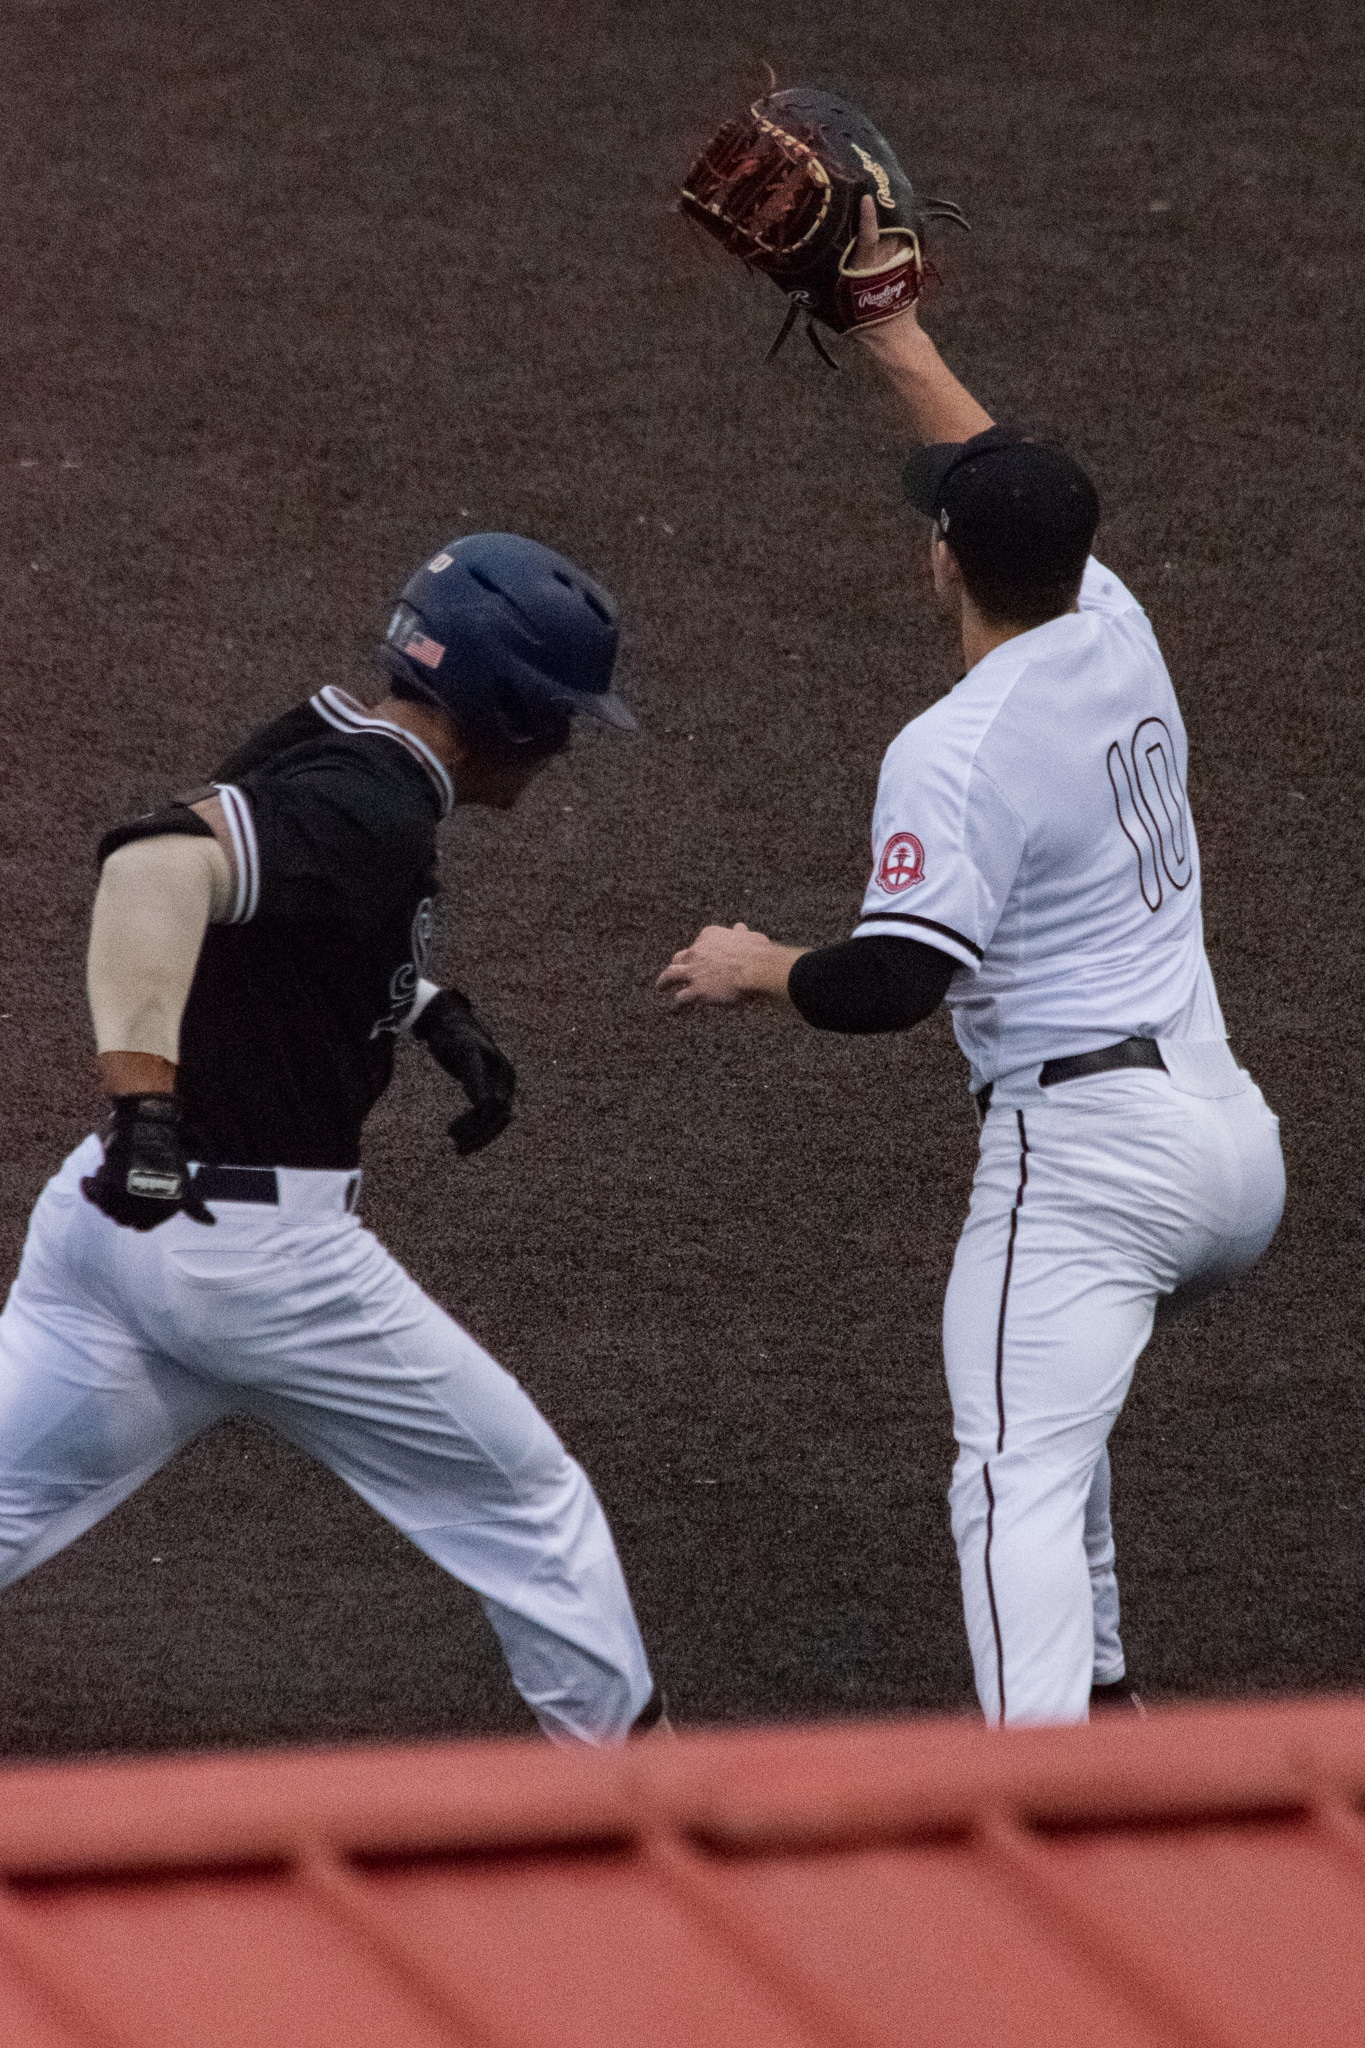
[511, 639]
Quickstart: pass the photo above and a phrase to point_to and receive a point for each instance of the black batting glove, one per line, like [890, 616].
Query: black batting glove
[460, 1042]
[144, 1180]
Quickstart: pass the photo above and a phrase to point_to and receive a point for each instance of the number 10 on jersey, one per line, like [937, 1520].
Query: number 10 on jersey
[1152, 810]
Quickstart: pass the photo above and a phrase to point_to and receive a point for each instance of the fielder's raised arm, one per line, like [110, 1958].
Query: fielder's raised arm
[940, 407]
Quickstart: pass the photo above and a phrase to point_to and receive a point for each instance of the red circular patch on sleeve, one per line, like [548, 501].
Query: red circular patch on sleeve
[901, 864]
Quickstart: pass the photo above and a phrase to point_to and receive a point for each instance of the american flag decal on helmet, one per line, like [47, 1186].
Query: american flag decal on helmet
[428, 652]
[405, 633]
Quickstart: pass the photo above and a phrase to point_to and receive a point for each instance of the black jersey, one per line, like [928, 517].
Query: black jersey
[287, 1038]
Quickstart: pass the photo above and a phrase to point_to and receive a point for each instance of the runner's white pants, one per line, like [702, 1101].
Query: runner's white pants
[1093, 1201]
[117, 1346]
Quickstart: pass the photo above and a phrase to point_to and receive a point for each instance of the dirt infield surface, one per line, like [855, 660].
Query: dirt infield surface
[295, 292]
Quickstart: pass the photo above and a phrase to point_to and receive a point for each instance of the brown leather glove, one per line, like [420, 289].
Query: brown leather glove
[782, 186]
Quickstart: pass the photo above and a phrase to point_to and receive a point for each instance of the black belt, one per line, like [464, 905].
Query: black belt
[237, 1184]
[253, 1184]
[1129, 1052]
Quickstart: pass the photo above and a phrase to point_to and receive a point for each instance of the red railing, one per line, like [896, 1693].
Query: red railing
[1197, 1878]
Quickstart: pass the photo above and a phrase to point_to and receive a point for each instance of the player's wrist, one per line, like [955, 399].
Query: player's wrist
[767, 968]
[895, 355]
[124, 1074]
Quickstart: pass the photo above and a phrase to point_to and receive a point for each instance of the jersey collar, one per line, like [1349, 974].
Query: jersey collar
[1039, 643]
[341, 710]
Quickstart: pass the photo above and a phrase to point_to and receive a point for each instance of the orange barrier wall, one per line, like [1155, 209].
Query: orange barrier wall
[1195, 1878]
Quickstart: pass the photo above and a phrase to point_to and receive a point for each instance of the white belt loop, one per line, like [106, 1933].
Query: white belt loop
[1018, 1089]
[317, 1191]
[1205, 1067]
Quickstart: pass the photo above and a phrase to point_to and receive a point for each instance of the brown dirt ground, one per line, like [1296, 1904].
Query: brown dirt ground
[297, 290]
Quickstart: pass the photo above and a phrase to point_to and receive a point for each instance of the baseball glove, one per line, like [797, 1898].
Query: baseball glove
[782, 186]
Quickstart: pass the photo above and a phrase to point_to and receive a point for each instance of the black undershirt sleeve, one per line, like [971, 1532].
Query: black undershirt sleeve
[880, 983]
[174, 819]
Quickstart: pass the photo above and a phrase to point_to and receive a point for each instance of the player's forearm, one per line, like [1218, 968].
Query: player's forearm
[153, 905]
[873, 984]
[940, 406]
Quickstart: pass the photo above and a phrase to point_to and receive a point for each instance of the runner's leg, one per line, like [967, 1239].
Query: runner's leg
[357, 1366]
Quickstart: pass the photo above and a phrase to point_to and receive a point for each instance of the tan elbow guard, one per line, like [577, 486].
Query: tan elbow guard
[155, 899]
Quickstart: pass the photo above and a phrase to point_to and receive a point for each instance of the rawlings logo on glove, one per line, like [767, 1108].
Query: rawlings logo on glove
[783, 188]
[879, 301]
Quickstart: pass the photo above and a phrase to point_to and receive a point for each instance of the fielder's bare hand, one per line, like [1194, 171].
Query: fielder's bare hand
[728, 964]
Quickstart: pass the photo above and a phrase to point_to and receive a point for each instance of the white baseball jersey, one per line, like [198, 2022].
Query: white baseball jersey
[1033, 825]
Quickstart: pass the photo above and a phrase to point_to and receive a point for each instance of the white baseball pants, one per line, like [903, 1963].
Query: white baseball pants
[1093, 1201]
[116, 1347]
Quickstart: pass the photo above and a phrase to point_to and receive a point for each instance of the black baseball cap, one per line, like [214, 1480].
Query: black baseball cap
[1007, 502]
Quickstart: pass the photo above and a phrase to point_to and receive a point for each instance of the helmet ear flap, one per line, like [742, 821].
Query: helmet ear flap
[544, 732]
[402, 674]
[501, 726]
